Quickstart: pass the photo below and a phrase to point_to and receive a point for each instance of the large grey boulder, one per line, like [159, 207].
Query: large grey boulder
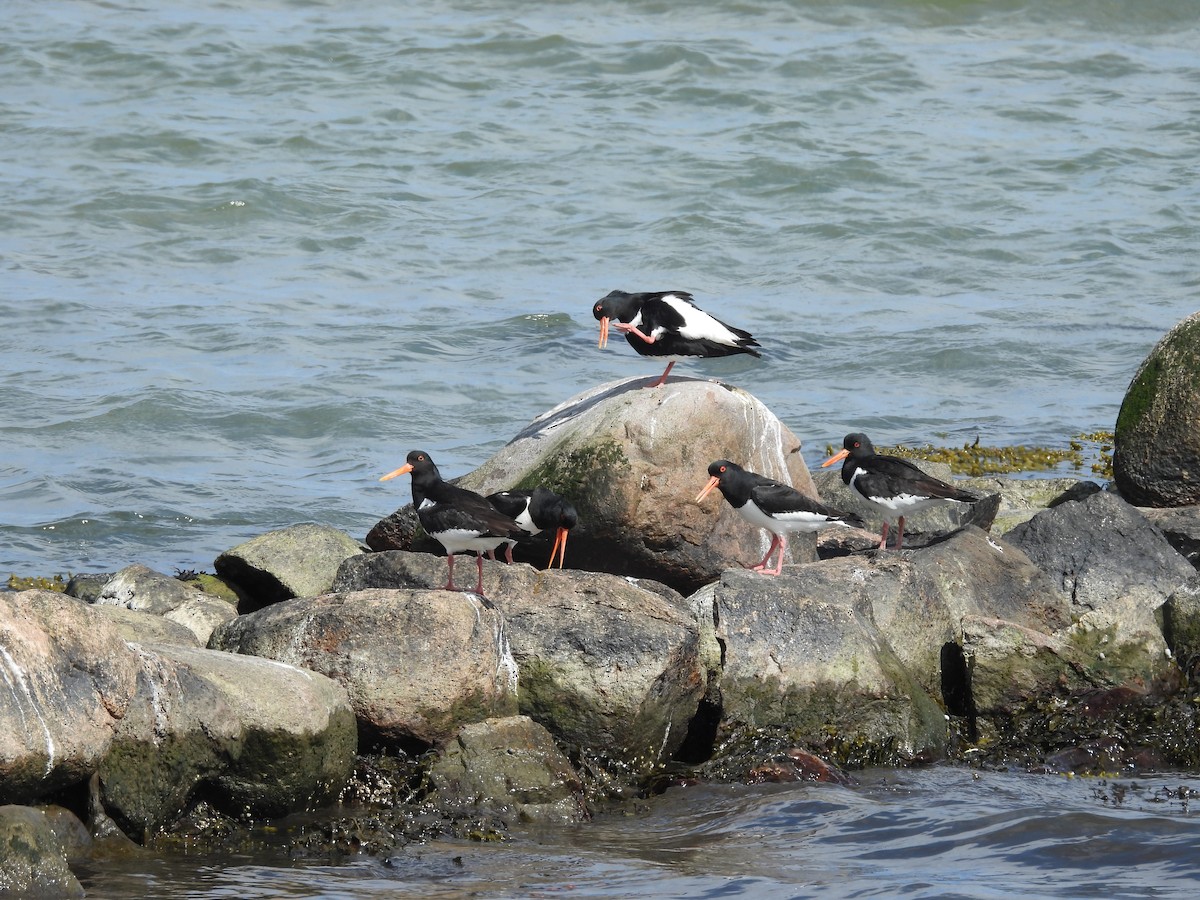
[142, 589]
[1116, 569]
[32, 857]
[632, 461]
[66, 681]
[1156, 450]
[247, 734]
[609, 665]
[813, 662]
[417, 664]
[299, 561]
[509, 768]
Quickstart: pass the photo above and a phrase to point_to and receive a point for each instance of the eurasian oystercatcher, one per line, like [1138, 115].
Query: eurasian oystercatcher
[536, 511]
[769, 504]
[457, 518]
[892, 485]
[669, 325]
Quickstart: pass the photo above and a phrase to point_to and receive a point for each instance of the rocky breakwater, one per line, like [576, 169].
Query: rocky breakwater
[565, 687]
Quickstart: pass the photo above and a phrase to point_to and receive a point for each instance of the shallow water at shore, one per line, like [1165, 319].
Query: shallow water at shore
[941, 832]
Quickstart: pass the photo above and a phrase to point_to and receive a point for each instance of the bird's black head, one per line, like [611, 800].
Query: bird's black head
[566, 516]
[617, 305]
[418, 459]
[858, 444]
[721, 467]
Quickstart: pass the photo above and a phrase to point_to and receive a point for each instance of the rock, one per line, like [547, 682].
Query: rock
[417, 664]
[1022, 498]
[139, 588]
[248, 735]
[812, 662]
[87, 587]
[609, 665]
[1156, 448]
[872, 648]
[1117, 569]
[508, 768]
[632, 460]
[1180, 526]
[919, 600]
[299, 561]
[795, 765]
[139, 626]
[66, 679]
[73, 836]
[32, 857]
[1008, 664]
[1181, 625]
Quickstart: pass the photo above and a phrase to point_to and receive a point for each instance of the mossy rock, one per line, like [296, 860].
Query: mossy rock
[1156, 458]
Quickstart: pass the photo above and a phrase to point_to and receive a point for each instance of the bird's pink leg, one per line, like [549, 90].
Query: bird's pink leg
[633, 329]
[900, 533]
[479, 565]
[450, 577]
[507, 553]
[779, 559]
[775, 542]
[883, 538]
[662, 380]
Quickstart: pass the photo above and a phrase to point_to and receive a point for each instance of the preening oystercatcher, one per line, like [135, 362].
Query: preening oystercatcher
[457, 518]
[536, 511]
[769, 504]
[668, 324]
[892, 485]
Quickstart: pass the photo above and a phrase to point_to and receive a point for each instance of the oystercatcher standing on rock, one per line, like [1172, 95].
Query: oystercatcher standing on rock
[769, 504]
[458, 519]
[892, 485]
[669, 325]
[535, 511]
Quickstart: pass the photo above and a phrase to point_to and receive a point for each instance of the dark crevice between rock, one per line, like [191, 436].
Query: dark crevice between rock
[956, 687]
[701, 739]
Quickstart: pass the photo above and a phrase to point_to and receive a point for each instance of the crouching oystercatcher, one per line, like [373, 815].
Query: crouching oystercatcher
[892, 485]
[536, 511]
[669, 325]
[769, 504]
[458, 519]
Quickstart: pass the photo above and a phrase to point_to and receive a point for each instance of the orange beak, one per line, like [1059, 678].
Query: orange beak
[560, 540]
[403, 470]
[712, 483]
[603, 333]
[837, 457]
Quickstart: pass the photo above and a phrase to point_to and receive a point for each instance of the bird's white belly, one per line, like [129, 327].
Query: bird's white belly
[782, 522]
[457, 540]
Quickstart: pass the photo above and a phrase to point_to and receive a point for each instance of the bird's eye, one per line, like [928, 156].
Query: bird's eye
[722, 468]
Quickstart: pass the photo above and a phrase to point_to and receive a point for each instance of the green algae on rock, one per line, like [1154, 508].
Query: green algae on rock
[38, 583]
